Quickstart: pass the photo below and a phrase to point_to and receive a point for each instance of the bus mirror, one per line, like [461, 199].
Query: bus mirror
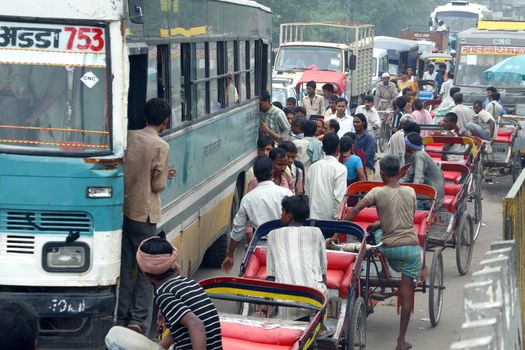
[136, 11]
[352, 62]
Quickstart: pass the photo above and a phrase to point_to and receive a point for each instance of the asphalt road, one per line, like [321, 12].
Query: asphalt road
[382, 325]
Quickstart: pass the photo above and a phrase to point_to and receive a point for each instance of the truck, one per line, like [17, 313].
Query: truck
[419, 33]
[336, 47]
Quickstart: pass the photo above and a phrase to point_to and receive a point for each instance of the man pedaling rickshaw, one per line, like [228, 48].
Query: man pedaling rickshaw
[396, 206]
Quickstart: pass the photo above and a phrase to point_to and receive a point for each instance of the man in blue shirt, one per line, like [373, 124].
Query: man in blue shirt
[365, 142]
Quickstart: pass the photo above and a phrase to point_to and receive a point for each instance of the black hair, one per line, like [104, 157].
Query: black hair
[390, 165]
[478, 103]
[291, 100]
[458, 98]
[404, 72]
[453, 117]
[300, 109]
[334, 124]
[265, 96]
[451, 75]
[405, 90]
[495, 96]
[330, 143]
[430, 66]
[156, 111]
[278, 105]
[401, 102]
[263, 169]
[341, 99]
[297, 206]
[286, 110]
[278, 153]
[311, 84]
[346, 143]
[415, 138]
[334, 98]
[328, 87]
[298, 122]
[442, 65]
[288, 146]
[454, 90]
[417, 104]
[350, 134]
[410, 126]
[368, 98]
[264, 141]
[362, 117]
[491, 88]
[18, 326]
[309, 128]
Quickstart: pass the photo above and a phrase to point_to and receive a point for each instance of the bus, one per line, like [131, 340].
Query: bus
[481, 48]
[75, 77]
[458, 16]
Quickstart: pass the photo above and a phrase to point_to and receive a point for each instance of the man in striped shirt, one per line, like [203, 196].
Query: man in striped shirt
[188, 312]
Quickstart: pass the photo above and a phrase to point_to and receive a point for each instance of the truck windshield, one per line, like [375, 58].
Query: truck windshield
[299, 58]
[53, 88]
[475, 60]
[457, 21]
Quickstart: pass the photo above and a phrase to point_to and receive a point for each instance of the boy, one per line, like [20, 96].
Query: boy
[295, 171]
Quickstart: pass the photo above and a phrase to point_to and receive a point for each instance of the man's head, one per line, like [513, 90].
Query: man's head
[264, 146]
[417, 104]
[368, 101]
[477, 107]
[388, 167]
[413, 143]
[346, 144]
[360, 122]
[410, 72]
[450, 122]
[401, 102]
[385, 77]
[410, 126]
[328, 90]
[291, 151]
[454, 90]
[442, 68]
[341, 107]
[310, 88]
[403, 76]
[331, 126]
[431, 68]
[319, 123]
[157, 112]
[263, 169]
[297, 125]
[333, 102]
[291, 103]
[294, 209]
[309, 128]
[157, 258]
[331, 144]
[278, 105]
[450, 75]
[458, 98]
[265, 101]
[280, 161]
[441, 22]
[495, 96]
[289, 114]
[408, 93]
[18, 326]
[490, 90]
[300, 112]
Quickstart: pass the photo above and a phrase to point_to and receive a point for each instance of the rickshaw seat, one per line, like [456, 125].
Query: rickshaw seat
[450, 197]
[239, 336]
[338, 275]
[504, 135]
[452, 176]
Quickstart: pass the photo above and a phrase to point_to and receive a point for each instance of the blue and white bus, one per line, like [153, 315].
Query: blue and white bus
[75, 76]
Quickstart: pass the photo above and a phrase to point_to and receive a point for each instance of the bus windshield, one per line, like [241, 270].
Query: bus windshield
[475, 60]
[457, 21]
[53, 88]
[299, 58]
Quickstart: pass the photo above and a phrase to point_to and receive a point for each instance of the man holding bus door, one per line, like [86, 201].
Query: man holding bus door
[145, 176]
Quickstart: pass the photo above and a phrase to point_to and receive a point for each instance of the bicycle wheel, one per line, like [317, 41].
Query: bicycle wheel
[476, 213]
[356, 331]
[435, 288]
[464, 243]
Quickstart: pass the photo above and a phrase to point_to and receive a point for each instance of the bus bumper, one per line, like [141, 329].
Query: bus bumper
[70, 320]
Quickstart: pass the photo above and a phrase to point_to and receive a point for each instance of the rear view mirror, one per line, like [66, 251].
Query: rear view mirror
[136, 8]
[352, 62]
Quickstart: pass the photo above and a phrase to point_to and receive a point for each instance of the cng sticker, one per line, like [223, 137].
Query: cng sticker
[89, 79]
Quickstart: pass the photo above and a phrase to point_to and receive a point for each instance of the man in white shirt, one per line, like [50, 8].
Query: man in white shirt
[463, 113]
[483, 124]
[326, 182]
[370, 112]
[313, 103]
[260, 205]
[430, 75]
[346, 122]
[446, 86]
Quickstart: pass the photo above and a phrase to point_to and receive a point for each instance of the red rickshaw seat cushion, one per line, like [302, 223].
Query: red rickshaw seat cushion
[236, 335]
[450, 197]
[504, 135]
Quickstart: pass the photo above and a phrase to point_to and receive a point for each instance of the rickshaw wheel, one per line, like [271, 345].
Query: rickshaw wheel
[435, 288]
[476, 213]
[356, 332]
[516, 166]
[464, 243]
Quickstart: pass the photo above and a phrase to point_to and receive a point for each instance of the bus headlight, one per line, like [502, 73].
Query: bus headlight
[99, 192]
[62, 257]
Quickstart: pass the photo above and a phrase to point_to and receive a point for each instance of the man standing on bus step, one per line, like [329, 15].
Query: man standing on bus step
[313, 103]
[273, 120]
[258, 206]
[145, 176]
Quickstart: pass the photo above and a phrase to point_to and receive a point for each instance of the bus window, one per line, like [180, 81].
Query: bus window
[152, 83]
[212, 71]
[138, 69]
[185, 92]
[261, 66]
[163, 76]
[241, 86]
[198, 86]
[176, 110]
[248, 59]
[222, 64]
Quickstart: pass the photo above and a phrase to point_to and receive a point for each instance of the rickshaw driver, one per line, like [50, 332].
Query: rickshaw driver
[395, 205]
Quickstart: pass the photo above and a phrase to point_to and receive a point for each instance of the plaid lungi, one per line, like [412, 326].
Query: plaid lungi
[406, 259]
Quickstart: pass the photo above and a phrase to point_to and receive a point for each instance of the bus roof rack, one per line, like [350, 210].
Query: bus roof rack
[501, 25]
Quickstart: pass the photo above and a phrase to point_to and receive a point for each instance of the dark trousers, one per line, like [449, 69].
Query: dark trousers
[135, 292]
